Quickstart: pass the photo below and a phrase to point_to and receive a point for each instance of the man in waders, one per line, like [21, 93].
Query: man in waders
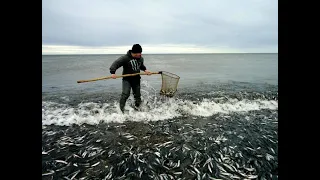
[132, 62]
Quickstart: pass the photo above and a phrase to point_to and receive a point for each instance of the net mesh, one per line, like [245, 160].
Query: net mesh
[169, 83]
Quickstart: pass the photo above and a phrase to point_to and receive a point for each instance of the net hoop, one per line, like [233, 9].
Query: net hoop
[169, 84]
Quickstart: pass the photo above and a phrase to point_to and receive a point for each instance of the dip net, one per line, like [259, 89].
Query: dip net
[169, 84]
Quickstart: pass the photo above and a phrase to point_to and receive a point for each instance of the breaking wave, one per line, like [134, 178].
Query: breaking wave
[95, 113]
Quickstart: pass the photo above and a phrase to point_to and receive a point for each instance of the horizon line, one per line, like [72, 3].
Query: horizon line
[164, 53]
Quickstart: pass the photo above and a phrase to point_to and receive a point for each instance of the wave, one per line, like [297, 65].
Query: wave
[94, 113]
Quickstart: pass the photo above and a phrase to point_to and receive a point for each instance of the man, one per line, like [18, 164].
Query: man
[132, 62]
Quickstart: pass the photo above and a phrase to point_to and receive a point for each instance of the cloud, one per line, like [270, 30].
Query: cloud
[210, 25]
[147, 49]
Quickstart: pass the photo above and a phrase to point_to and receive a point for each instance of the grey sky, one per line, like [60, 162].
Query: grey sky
[236, 24]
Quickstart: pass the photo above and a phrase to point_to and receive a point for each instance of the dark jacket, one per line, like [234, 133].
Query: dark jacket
[129, 64]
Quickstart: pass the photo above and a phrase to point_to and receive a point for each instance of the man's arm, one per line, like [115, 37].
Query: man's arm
[143, 67]
[117, 64]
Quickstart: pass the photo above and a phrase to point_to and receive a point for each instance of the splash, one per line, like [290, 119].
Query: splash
[153, 108]
[94, 113]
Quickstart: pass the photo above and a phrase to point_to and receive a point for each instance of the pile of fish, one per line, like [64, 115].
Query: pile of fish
[234, 146]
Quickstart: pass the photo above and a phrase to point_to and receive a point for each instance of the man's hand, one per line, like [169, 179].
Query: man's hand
[147, 72]
[113, 76]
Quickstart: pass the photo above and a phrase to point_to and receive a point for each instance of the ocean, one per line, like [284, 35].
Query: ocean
[222, 123]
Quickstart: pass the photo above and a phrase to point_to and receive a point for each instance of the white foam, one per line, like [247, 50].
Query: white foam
[93, 113]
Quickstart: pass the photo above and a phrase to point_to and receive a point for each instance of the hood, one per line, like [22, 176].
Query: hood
[129, 55]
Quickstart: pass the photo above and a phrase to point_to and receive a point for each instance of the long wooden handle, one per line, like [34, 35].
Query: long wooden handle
[109, 77]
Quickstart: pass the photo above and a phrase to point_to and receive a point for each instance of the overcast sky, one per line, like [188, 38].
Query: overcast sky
[160, 26]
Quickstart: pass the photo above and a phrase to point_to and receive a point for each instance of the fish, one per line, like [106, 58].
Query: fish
[75, 174]
[191, 172]
[84, 154]
[60, 161]
[145, 150]
[84, 164]
[249, 169]
[221, 168]
[269, 157]
[48, 173]
[209, 168]
[178, 164]
[157, 153]
[228, 167]
[166, 143]
[212, 178]
[272, 151]
[95, 164]
[252, 176]
[109, 175]
[196, 169]
[250, 149]
[74, 155]
[234, 177]
[157, 160]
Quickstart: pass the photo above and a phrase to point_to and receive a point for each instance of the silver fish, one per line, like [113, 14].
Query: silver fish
[48, 173]
[141, 160]
[237, 165]
[75, 174]
[204, 176]
[249, 169]
[207, 161]
[95, 164]
[240, 154]
[85, 164]
[158, 161]
[178, 164]
[60, 161]
[252, 176]
[269, 157]
[195, 159]
[221, 168]
[109, 175]
[186, 147]
[229, 167]
[129, 136]
[226, 174]
[209, 168]
[84, 154]
[235, 177]
[146, 137]
[198, 177]
[169, 142]
[196, 169]
[191, 172]
[157, 153]
[74, 155]
[272, 150]
[212, 178]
